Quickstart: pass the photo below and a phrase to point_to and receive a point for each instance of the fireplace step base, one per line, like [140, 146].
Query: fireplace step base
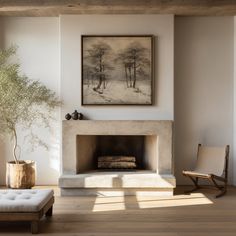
[104, 192]
[126, 182]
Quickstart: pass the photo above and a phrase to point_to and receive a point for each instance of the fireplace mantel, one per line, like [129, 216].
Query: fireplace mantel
[159, 146]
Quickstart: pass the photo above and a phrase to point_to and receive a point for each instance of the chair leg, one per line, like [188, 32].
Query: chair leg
[223, 189]
[223, 192]
[195, 181]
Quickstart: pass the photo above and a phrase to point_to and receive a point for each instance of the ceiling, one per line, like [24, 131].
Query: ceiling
[176, 7]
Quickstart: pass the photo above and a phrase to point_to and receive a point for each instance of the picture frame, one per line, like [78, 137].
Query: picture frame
[117, 69]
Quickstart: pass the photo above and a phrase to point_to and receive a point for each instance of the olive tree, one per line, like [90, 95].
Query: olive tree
[23, 101]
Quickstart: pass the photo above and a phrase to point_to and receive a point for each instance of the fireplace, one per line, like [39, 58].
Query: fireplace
[149, 142]
[115, 148]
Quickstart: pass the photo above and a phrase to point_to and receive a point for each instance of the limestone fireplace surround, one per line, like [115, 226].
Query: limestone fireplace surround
[79, 144]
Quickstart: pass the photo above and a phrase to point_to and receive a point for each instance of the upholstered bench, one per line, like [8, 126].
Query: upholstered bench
[26, 205]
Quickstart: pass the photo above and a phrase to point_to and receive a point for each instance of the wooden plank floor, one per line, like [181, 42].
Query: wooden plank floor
[198, 214]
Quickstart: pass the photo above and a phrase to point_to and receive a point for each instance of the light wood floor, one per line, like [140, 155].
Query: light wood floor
[198, 214]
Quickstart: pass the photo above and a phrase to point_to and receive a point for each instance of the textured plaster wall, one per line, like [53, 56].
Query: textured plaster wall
[204, 103]
[203, 87]
[161, 26]
[39, 55]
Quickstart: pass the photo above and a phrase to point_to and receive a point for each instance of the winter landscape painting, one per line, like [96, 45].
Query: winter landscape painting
[117, 70]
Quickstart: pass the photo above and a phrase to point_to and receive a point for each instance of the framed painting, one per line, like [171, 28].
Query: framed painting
[117, 70]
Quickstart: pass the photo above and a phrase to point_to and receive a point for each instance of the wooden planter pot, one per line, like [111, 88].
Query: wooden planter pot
[21, 175]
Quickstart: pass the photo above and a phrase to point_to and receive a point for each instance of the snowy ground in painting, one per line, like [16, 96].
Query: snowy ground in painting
[118, 93]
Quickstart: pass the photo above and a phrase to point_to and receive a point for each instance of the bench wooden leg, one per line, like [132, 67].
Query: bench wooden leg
[34, 227]
[49, 212]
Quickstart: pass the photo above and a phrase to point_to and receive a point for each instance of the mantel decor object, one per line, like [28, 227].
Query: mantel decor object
[75, 116]
[68, 116]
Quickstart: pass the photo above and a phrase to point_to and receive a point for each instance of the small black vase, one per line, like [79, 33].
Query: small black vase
[68, 116]
[81, 116]
[75, 115]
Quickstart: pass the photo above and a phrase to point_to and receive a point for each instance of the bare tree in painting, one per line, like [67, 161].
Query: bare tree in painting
[88, 74]
[127, 63]
[98, 55]
[135, 59]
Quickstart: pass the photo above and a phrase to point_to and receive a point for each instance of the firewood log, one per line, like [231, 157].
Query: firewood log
[116, 159]
[116, 165]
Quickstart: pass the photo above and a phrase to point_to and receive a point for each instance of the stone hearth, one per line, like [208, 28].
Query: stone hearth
[81, 145]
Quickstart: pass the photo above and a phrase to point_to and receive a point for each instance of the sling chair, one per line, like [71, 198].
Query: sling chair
[212, 164]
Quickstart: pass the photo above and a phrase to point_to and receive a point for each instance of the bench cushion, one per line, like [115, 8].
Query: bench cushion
[25, 200]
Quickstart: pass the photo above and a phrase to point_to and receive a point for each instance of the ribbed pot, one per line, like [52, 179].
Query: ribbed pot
[21, 175]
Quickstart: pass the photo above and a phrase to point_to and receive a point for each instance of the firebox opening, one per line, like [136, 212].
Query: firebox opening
[126, 147]
[95, 151]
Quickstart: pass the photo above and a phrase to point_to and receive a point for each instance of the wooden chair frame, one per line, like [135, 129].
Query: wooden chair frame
[214, 179]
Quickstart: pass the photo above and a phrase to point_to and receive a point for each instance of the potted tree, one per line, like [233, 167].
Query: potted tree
[23, 104]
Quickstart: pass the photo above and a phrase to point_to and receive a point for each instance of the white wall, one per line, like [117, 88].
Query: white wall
[161, 26]
[203, 87]
[38, 41]
[49, 49]
[234, 120]
[40, 50]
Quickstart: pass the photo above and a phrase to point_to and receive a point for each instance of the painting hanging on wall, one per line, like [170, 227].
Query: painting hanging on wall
[117, 70]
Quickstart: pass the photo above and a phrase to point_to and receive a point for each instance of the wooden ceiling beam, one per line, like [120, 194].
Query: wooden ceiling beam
[176, 7]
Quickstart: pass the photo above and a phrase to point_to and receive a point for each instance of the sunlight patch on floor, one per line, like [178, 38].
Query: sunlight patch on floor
[144, 202]
[175, 201]
[109, 204]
